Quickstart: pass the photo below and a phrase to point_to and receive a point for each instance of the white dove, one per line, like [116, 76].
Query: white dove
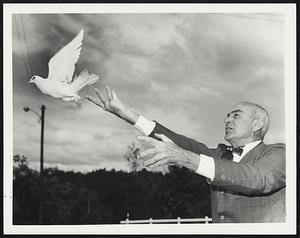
[60, 82]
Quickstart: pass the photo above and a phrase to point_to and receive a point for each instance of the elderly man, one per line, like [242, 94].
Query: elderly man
[247, 179]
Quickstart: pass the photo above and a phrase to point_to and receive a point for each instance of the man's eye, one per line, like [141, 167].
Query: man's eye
[236, 115]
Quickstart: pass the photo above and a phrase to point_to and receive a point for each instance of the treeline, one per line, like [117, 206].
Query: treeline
[106, 197]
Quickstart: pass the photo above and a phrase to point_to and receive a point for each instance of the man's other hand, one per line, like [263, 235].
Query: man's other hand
[166, 152]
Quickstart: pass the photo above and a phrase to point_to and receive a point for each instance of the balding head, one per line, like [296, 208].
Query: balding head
[258, 113]
[246, 122]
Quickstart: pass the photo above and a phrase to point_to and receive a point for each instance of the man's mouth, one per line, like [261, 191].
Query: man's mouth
[228, 128]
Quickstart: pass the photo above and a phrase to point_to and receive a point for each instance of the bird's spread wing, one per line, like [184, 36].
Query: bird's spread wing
[62, 64]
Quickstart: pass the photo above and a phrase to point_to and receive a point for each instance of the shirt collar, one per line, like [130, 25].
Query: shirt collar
[237, 158]
[249, 147]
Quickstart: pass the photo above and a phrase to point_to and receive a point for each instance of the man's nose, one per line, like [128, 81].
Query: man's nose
[227, 119]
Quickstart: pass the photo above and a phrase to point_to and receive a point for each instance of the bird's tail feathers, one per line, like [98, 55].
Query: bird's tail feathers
[83, 79]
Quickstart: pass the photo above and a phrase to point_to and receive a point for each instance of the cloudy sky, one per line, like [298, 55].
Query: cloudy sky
[183, 70]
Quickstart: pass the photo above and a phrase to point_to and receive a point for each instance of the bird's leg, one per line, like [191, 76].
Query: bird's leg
[78, 106]
[76, 99]
[78, 103]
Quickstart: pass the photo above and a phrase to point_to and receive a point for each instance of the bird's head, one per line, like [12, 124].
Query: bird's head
[34, 79]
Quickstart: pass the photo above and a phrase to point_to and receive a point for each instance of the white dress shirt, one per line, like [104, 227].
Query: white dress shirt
[144, 125]
[206, 166]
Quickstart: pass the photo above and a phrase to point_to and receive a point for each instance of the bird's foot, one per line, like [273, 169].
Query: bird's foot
[78, 106]
[78, 103]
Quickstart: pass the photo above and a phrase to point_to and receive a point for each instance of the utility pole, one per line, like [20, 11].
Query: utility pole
[42, 166]
[42, 120]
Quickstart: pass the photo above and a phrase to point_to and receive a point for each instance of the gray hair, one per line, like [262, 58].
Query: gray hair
[258, 112]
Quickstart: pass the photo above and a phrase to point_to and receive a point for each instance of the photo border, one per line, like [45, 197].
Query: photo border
[289, 12]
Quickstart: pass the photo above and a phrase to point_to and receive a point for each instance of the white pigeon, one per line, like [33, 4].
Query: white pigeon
[60, 82]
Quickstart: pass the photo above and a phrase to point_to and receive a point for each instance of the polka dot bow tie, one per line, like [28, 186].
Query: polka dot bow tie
[237, 150]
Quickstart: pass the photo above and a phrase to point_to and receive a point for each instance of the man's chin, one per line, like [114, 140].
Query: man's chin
[228, 138]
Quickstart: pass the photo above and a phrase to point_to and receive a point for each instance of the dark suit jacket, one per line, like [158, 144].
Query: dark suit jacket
[250, 191]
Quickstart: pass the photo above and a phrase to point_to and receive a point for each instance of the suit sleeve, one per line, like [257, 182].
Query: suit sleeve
[183, 141]
[266, 175]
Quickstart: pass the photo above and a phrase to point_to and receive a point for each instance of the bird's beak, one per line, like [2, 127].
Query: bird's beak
[30, 81]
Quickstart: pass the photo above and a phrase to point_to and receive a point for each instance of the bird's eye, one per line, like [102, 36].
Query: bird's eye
[33, 77]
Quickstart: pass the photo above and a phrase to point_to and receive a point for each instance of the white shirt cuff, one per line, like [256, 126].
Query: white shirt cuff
[144, 125]
[206, 167]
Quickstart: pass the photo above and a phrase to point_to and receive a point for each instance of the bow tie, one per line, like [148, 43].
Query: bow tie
[237, 150]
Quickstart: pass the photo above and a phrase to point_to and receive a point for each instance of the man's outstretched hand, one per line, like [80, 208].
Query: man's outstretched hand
[110, 102]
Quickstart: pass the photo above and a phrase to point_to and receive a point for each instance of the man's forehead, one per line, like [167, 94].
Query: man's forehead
[239, 108]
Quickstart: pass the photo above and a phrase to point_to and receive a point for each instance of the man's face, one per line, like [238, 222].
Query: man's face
[238, 125]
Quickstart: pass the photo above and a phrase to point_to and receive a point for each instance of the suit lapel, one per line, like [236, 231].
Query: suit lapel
[250, 157]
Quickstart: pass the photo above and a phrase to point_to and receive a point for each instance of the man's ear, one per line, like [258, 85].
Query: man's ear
[257, 124]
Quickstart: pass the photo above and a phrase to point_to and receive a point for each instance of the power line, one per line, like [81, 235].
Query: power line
[26, 43]
[28, 58]
[27, 65]
[271, 14]
[21, 48]
[23, 57]
[248, 17]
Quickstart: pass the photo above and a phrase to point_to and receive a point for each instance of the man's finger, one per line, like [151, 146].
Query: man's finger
[89, 98]
[163, 137]
[148, 139]
[156, 166]
[114, 95]
[109, 93]
[101, 96]
[150, 151]
[155, 159]
[158, 162]
[95, 101]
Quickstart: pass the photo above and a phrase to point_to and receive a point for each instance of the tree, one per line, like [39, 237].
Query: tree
[105, 197]
[131, 156]
[25, 192]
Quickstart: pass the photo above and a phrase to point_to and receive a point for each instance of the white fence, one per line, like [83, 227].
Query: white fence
[179, 220]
